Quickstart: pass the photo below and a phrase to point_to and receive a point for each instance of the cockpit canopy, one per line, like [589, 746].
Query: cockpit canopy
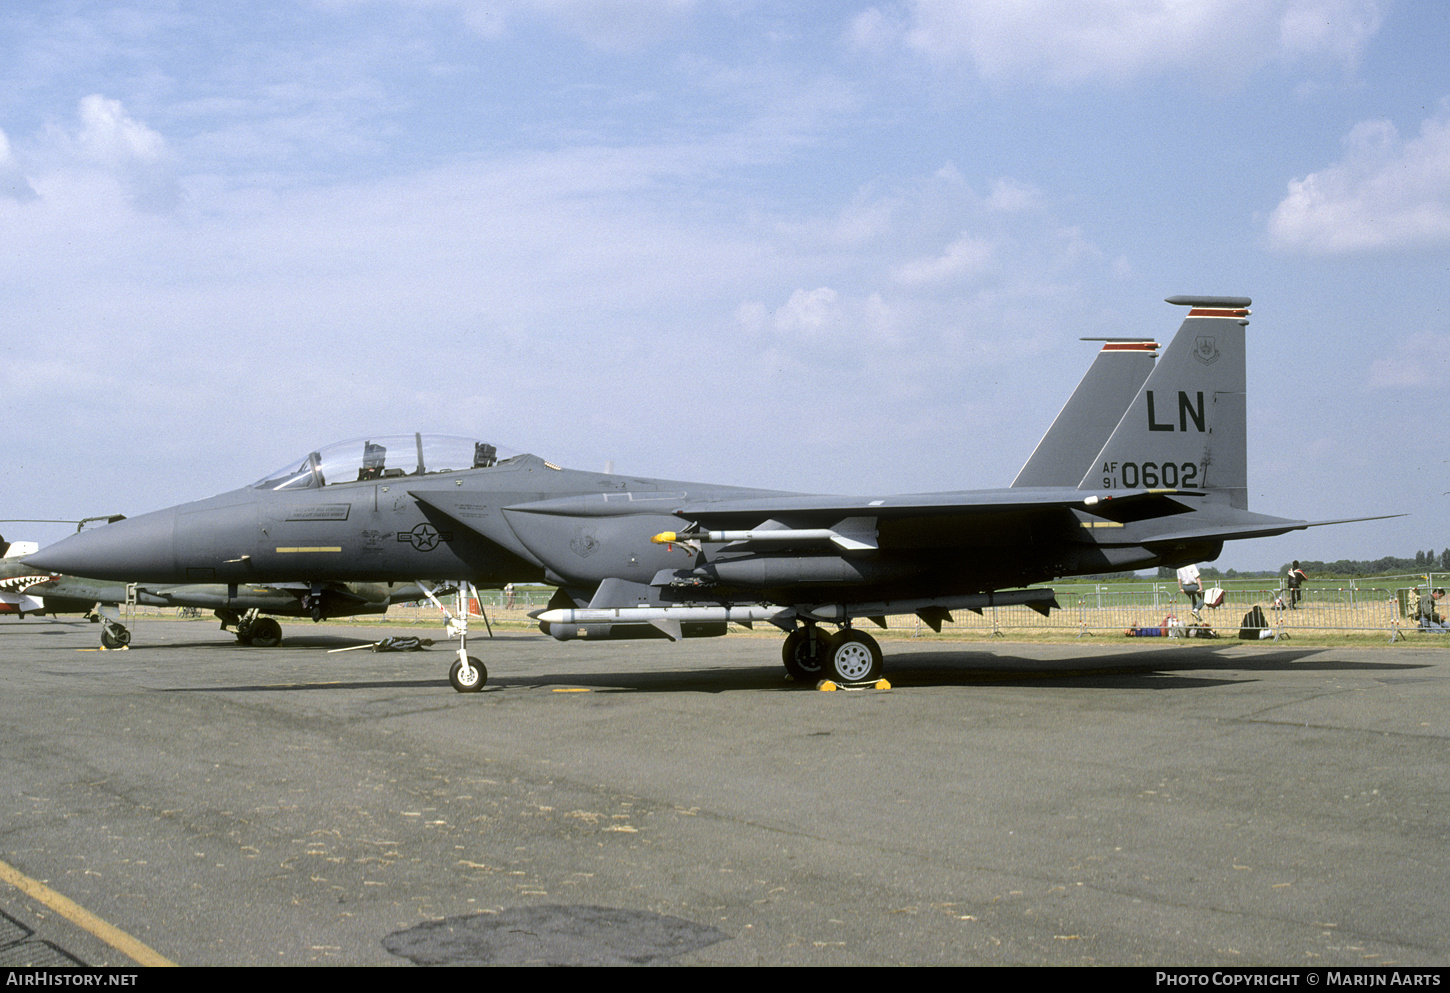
[389, 457]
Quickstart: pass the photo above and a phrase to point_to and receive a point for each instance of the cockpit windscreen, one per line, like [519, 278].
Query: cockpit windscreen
[389, 457]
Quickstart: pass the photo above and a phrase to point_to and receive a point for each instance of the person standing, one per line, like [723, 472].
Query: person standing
[1192, 586]
[1296, 580]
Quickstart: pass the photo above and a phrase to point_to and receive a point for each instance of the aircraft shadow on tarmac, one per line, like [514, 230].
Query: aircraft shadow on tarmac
[1134, 669]
[695, 680]
[1155, 670]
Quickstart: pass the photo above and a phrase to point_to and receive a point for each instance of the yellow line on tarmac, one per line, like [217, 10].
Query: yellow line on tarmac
[78, 915]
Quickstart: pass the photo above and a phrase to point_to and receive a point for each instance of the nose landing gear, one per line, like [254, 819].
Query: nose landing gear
[114, 634]
[467, 674]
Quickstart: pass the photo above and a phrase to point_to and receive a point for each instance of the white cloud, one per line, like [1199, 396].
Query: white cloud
[923, 286]
[13, 183]
[105, 147]
[808, 313]
[1069, 42]
[1012, 197]
[111, 136]
[1385, 193]
[964, 259]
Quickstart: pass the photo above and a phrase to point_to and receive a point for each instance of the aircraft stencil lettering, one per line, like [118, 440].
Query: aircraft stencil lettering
[1188, 410]
[1149, 475]
[1109, 488]
[324, 512]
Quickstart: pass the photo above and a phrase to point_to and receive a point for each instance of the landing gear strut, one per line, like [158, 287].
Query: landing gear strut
[312, 602]
[467, 673]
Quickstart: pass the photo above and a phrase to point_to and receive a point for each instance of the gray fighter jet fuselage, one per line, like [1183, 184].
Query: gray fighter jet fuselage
[23, 591]
[1146, 467]
[517, 520]
[525, 520]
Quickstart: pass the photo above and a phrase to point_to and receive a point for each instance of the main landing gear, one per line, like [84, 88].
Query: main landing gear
[259, 632]
[848, 656]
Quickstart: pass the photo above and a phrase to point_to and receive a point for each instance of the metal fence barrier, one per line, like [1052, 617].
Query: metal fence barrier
[1314, 609]
[1161, 610]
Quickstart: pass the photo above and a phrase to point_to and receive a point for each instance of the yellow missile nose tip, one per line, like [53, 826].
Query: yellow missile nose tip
[665, 538]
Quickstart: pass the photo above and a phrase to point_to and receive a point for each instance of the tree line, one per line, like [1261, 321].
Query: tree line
[1389, 565]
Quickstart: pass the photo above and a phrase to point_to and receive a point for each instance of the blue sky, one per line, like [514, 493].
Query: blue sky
[844, 247]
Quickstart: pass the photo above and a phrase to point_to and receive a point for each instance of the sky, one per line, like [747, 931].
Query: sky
[843, 247]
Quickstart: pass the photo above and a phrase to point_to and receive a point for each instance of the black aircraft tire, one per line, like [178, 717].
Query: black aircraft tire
[120, 639]
[265, 633]
[795, 653]
[853, 657]
[480, 676]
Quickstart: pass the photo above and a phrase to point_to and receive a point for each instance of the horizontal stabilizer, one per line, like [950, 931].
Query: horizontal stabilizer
[1253, 526]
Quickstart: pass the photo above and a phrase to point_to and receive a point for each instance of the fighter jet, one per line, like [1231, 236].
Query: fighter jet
[1147, 473]
[24, 590]
[240, 608]
[16, 579]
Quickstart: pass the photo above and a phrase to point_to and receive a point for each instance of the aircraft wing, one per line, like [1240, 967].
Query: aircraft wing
[1121, 507]
[948, 515]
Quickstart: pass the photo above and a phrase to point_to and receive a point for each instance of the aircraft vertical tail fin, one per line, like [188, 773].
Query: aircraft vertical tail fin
[1087, 419]
[1187, 427]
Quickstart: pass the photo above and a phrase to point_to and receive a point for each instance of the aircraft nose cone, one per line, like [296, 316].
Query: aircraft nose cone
[137, 549]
